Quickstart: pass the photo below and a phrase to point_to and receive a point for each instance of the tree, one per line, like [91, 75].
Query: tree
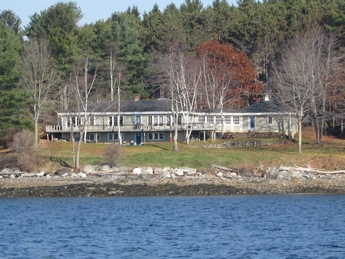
[292, 82]
[228, 72]
[38, 77]
[59, 26]
[11, 20]
[14, 114]
[125, 29]
[84, 84]
[192, 22]
[321, 47]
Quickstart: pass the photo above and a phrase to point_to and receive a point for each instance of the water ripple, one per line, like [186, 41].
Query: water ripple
[290, 226]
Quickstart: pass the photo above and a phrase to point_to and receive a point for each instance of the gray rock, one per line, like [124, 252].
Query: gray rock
[63, 171]
[185, 170]
[82, 175]
[105, 168]
[244, 172]
[88, 168]
[147, 170]
[40, 174]
[6, 172]
[166, 174]
[283, 176]
[137, 171]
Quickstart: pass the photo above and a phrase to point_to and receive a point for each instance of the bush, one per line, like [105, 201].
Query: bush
[113, 154]
[23, 141]
[27, 155]
[28, 162]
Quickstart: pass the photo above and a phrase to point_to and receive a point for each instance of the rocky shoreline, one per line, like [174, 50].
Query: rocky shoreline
[102, 181]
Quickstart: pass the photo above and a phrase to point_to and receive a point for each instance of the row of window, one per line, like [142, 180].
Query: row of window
[227, 119]
[114, 136]
[111, 137]
[158, 120]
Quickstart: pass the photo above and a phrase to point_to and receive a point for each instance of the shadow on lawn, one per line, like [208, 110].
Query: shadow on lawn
[152, 145]
[61, 162]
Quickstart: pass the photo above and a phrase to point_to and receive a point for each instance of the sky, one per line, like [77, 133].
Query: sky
[92, 10]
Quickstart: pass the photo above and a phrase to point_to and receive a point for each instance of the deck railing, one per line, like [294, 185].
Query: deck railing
[129, 127]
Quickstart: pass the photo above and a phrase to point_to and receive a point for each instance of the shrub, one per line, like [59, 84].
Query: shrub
[27, 155]
[23, 141]
[113, 154]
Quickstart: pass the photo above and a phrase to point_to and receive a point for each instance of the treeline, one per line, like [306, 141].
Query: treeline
[233, 54]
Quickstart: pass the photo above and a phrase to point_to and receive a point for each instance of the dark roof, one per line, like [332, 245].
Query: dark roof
[164, 105]
[263, 106]
[129, 106]
[147, 106]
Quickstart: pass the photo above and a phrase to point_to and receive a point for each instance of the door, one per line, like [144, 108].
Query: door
[252, 122]
[138, 138]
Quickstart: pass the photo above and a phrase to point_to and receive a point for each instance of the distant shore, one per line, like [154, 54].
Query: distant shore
[107, 186]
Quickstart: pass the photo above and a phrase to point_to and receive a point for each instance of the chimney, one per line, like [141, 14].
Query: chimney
[137, 97]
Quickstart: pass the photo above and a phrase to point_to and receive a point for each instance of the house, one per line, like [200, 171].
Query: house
[143, 121]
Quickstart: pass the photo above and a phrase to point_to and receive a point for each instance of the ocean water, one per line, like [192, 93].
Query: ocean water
[278, 226]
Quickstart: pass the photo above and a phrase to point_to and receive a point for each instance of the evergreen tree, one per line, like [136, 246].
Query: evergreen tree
[14, 113]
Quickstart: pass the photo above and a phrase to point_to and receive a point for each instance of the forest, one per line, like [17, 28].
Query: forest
[218, 57]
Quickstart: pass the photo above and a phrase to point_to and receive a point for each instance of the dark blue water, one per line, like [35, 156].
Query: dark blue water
[291, 226]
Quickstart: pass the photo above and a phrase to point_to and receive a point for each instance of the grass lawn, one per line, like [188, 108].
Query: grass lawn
[329, 155]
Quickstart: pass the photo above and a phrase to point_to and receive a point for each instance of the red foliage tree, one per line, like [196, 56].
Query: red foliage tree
[231, 71]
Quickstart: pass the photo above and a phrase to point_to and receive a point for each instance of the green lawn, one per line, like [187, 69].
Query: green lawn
[329, 155]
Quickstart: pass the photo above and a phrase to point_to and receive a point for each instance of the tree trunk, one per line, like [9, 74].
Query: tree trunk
[299, 136]
[119, 110]
[36, 132]
[175, 148]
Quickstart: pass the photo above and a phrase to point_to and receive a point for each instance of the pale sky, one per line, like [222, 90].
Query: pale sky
[92, 10]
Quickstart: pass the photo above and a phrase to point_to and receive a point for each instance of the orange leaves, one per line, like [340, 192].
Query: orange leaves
[223, 61]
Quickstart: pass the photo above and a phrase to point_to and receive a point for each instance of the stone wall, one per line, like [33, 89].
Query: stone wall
[242, 143]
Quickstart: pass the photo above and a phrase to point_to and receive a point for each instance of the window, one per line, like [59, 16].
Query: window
[110, 121]
[168, 120]
[156, 136]
[93, 136]
[218, 119]
[201, 119]
[72, 121]
[93, 121]
[115, 121]
[227, 119]
[114, 136]
[179, 120]
[156, 120]
[236, 120]
[270, 120]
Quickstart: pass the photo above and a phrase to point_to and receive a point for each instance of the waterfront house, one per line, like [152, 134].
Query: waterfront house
[143, 121]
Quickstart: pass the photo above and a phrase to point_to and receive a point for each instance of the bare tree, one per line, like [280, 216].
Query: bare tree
[187, 80]
[183, 74]
[320, 47]
[84, 84]
[38, 77]
[119, 108]
[215, 86]
[292, 82]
